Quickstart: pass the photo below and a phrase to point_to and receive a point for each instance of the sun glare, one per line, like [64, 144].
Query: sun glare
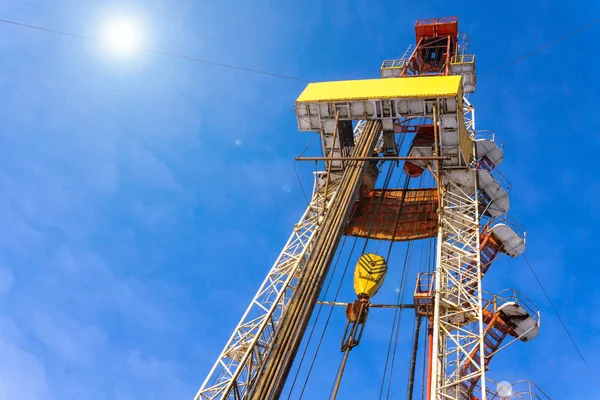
[122, 36]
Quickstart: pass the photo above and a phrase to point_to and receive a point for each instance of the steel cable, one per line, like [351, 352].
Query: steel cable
[403, 282]
[295, 320]
[320, 307]
[371, 226]
[407, 259]
[326, 323]
[158, 52]
[562, 323]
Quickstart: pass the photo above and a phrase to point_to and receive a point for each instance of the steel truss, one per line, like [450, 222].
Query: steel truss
[458, 308]
[431, 56]
[236, 368]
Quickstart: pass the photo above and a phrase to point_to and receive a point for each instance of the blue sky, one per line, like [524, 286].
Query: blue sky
[145, 197]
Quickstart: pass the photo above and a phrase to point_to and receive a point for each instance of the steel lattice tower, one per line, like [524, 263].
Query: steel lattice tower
[421, 94]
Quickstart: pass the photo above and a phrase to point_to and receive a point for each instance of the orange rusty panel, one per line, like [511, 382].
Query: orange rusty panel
[447, 26]
[425, 28]
[418, 216]
[435, 27]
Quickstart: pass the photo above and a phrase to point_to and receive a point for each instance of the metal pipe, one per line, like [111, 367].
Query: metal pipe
[434, 332]
[350, 343]
[338, 379]
[437, 163]
[339, 303]
[269, 382]
[370, 158]
[429, 358]
[413, 360]
[335, 129]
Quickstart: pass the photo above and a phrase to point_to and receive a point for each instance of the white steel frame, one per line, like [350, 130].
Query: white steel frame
[458, 315]
[232, 375]
[458, 307]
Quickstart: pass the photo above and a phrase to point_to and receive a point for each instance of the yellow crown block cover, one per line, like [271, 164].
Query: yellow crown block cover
[369, 274]
[379, 89]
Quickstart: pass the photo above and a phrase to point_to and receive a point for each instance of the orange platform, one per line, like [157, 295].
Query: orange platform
[418, 217]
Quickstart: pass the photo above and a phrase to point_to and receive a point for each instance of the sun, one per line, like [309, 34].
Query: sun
[122, 36]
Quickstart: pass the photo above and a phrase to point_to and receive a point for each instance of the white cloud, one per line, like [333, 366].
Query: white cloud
[22, 373]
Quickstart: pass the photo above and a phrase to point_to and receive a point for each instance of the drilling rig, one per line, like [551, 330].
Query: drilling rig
[416, 115]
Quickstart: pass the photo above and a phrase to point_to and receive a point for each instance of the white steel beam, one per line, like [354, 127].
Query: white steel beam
[458, 306]
[233, 373]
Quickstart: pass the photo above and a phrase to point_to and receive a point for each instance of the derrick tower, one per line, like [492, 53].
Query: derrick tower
[363, 125]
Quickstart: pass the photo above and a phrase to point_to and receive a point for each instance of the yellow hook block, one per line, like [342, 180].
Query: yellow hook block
[369, 274]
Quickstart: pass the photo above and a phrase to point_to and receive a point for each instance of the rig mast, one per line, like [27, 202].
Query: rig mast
[421, 94]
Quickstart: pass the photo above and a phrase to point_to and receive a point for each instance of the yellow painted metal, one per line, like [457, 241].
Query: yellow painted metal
[393, 64]
[464, 140]
[463, 59]
[369, 274]
[379, 89]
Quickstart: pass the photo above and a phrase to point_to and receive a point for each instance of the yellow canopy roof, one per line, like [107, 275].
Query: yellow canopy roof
[378, 89]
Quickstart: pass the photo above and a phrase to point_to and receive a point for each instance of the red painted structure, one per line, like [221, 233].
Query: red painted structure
[436, 44]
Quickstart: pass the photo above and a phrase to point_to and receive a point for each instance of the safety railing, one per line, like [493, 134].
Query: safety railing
[491, 136]
[389, 64]
[392, 68]
[513, 296]
[441, 20]
[502, 180]
[519, 390]
[463, 59]
[509, 221]
[423, 296]
[424, 284]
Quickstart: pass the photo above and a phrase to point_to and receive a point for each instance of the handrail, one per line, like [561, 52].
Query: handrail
[425, 281]
[431, 21]
[491, 136]
[509, 221]
[514, 296]
[531, 389]
[396, 63]
[463, 59]
[518, 390]
[501, 179]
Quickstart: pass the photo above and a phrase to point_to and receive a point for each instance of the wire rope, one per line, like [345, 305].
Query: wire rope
[326, 322]
[320, 307]
[399, 145]
[296, 167]
[402, 288]
[272, 74]
[378, 206]
[542, 47]
[387, 179]
[562, 323]
[414, 346]
[386, 184]
[399, 301]
[424, 369]
[422, 267]
[158, 52]
[262, 72]
[407, 258]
